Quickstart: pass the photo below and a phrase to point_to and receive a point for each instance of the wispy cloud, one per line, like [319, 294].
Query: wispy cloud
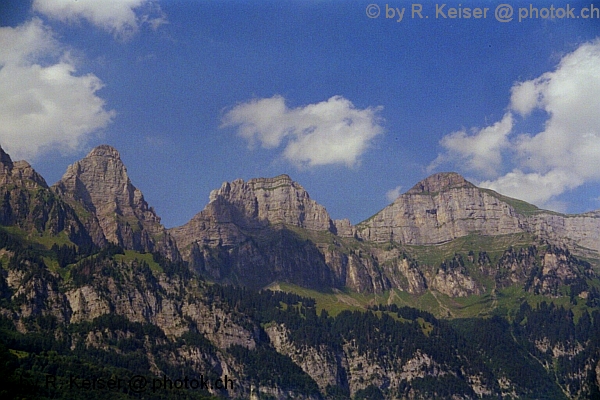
[122, 18]
[393, 194]
[329, 132]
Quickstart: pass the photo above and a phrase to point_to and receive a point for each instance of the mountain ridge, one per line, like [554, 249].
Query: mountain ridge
[131, 306]
[265, 230]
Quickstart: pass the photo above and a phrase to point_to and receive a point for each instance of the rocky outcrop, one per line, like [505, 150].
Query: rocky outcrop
[138, 304]
[455, 284]
[100, 185]
[322, 365]
[28, 203]
[344, 228]
[353, 370]
[19, 173]
[543, 271]
[38, 295]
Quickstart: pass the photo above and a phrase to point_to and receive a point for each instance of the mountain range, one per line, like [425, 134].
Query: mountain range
[90, 247]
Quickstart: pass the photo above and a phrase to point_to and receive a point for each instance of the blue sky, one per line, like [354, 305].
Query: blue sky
[356, 109]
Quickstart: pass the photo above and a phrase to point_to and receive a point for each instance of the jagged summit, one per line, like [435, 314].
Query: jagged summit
[29, 204]
[252, 205]
[104, 150]
[99, 180]
[5, 160]
[100, 183]
[440, 182]
[20, 173]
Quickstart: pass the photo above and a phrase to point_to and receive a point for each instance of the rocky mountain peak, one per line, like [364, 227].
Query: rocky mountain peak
[104, 150]
[452, 208]
[271, 183]
[440, 182]
[100, 182]
[254, 205]
[272, 200]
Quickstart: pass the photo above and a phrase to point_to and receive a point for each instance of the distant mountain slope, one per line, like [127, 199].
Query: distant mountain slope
[269, 230]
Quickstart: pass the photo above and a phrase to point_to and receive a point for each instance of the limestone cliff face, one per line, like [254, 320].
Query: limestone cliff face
[570, 230]
[141, 297]
[246, 234]
[254, 204]
[265, 230]
[445, 206]
[274, 200]
[99, 183]
[441, 208]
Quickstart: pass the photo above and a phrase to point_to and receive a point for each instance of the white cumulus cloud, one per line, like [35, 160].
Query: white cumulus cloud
[479, 151]
[564, 155]
[329, 132]
[533, 187]
[43, 103]
[122, 18]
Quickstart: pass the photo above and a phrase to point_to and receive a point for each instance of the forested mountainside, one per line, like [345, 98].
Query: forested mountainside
[450, 292]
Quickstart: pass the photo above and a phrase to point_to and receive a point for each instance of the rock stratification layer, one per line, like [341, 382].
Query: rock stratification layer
[273, 200]
[99, 182]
